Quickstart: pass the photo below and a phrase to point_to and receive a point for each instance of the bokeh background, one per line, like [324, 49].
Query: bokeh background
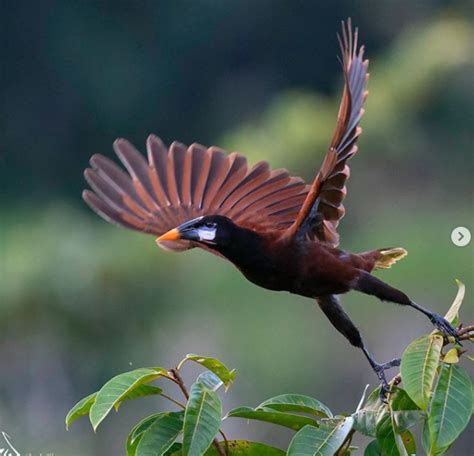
[81, 300]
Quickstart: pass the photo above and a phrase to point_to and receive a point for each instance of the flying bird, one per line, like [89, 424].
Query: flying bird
[279, 232]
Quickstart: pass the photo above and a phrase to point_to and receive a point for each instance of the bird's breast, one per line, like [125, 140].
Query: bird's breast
[309, 270]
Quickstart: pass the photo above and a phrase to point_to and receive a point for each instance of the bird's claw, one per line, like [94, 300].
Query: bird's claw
[380, 371]
[445, 327]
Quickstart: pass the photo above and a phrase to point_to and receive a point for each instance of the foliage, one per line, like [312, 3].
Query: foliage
[432, 391]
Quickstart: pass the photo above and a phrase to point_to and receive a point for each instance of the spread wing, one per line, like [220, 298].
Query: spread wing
[182, 183]
[322, 209]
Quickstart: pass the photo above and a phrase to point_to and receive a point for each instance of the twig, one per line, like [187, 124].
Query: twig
[179, 381]
[173, 400]
[346, 444]
[226, 442]
[464, 332]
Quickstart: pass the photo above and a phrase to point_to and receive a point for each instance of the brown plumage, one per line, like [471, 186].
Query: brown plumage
[278, 231]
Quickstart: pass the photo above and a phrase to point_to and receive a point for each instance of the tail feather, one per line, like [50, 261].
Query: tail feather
[388, 257]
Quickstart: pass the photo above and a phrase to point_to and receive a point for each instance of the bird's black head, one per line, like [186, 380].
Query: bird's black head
[212, 230]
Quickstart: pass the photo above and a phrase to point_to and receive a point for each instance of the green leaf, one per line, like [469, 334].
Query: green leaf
[373, 449]
[392, 430]
[214, 365]
[269, 415]
[392, 443]
[406, 419]
[453, 311]
[116, 389]
[324, 440]
[210, 380]
[242, 448]
[136, 433]
[405, 413]
[297, 403]
[451, 406]
[139, 391]
[83, 406]
[174, 450]
[160, 434]
[80, 409]
[418, 368]
[202, 420]
[246, 448]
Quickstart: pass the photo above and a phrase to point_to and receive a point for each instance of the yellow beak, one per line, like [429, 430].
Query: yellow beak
[171, 235]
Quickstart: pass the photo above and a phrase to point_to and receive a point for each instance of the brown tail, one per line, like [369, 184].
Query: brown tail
[382, 258]
[387, 257]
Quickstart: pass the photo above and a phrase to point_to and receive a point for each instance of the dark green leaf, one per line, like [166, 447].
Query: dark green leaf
[405, 420]
[373, 449]
[241, 448]
[393, 443]
[202, 420]
[418, 368]
[140, 391]
[214, 365]
[297, 403]
[136, 433]
[174, 450]
[246, 448]
[451, 406]
[405, 413]
[269, 415]
[83, 406]
[324, 440]
[116, 389]
[160, 434]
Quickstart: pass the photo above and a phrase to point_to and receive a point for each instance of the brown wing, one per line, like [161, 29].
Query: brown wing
[183, 183]
[322, 209]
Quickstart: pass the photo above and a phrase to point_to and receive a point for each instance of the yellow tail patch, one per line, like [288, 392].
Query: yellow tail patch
[389, 257]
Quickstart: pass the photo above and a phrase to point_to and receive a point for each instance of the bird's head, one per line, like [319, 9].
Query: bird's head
[212, 230]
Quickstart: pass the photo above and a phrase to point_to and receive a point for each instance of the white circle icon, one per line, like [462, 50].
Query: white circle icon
[461, 236]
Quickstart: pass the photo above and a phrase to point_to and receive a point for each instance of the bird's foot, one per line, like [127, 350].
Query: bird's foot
[444, 327]
[380, 369]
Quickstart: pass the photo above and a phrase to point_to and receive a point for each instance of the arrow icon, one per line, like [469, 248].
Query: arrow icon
[461, 236]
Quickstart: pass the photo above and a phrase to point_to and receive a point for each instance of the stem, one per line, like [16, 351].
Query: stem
[346, 444]
[179, 381]
[173, 400]
[225, 441]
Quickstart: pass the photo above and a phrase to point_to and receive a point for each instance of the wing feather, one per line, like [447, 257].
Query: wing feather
[182, 183]
[328, 190]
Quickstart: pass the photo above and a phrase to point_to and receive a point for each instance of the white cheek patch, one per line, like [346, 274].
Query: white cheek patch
[207, 234]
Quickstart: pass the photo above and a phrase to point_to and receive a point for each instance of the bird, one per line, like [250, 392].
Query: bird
[278, 231]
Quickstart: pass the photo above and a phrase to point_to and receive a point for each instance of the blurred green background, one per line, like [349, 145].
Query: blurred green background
[81, 300]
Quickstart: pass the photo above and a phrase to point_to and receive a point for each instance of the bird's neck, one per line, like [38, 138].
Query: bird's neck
[245, 249]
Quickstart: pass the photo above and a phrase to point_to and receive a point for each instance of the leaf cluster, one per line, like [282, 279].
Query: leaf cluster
[432, 391]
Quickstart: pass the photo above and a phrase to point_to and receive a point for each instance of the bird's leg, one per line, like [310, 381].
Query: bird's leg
[369, 284]
[379, 370]
[439, 322]
[333, 310]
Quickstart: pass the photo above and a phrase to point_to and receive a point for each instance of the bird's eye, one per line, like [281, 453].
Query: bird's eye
[210, 225]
